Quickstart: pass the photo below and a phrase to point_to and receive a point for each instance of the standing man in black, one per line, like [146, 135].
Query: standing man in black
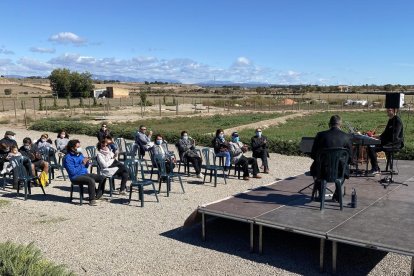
[392, 137]
[332, 138]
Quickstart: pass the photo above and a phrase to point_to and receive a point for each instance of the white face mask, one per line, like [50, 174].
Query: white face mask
[62, 136]
[43, 140]
[12, 137]
[185, 137]
[79, 150]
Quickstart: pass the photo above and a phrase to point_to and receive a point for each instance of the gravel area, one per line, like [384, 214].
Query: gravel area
[116, 239]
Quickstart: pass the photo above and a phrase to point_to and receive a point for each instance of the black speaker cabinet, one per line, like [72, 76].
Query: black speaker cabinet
[394, 100]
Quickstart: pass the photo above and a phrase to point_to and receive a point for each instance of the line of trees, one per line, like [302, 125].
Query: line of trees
[67, 84]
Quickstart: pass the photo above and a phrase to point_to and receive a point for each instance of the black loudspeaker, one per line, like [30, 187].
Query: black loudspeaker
[394, 100]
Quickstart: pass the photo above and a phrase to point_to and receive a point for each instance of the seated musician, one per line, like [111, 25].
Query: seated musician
[332, 138]
[392, 137]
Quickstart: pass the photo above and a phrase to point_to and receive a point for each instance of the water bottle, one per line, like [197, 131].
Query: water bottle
[353, 198]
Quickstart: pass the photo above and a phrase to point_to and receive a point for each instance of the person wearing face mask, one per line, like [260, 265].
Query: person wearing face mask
[238, 149]
[62, 141]
[143, 140]
[109, 166]
[221, 147]
[258, 144]
[9, 139]
[103, 132]
[187, 152]
[160, 148]
[76, 166]
[44, 142]
[32, 152]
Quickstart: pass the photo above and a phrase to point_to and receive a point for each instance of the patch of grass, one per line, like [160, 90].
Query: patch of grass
[4, 202]
[27, 260]
[285, 138]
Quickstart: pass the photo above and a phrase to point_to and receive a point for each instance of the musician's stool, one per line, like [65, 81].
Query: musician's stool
[389, 154]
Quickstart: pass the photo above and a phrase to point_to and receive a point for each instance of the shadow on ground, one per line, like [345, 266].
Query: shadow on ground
[288, 251]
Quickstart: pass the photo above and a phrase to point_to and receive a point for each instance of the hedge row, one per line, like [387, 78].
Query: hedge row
[286, 147]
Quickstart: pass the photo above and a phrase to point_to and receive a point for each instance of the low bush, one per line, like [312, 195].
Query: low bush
[27, 260]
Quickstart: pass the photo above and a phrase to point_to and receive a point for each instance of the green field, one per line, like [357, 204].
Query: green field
[285, 138]
[170, 127]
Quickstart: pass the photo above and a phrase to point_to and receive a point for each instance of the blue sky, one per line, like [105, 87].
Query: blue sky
[281, 42]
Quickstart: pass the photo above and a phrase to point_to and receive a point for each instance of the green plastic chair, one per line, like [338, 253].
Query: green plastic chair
[210, 165]
[140, 184]
[164, 176]
[332, 166]
[25, 177]
[49, 155]
[91, 151]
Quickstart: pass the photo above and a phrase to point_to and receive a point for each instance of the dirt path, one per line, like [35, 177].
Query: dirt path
[267, 123]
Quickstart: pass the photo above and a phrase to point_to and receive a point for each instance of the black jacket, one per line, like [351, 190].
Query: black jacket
[332, 138]
[393, 134]
[258, 146]
[219, 145]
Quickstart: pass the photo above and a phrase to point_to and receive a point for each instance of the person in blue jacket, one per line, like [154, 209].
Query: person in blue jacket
[76, 165]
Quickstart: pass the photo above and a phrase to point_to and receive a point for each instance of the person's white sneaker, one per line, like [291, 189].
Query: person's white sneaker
[200, 175]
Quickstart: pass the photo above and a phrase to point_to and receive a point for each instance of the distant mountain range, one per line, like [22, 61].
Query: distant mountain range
[213, 83]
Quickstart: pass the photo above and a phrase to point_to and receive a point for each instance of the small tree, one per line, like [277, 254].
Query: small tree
[143, 97]
[55, 105]
[7, 91]
[95, 102]
[68, 101]
[81, 102]
[40, 103]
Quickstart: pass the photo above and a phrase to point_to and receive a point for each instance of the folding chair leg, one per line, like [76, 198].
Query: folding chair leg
[155, 192]
[130, 194]
[215, 178]
[141, 195]
[181, 183]
[25, 190]
[323, 190]
[71, 192]
[168, 186]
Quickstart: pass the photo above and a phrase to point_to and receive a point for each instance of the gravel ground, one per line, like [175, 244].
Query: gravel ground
[116, 239]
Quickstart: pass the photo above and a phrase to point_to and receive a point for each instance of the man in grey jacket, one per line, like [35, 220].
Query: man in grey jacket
[143, 140]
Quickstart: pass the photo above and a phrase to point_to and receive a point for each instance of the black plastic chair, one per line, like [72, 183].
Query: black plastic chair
[332, 166]
[135, 182]
[210, 165]
[133, 153]
[25, 177]
[164, 176]
[91, 151]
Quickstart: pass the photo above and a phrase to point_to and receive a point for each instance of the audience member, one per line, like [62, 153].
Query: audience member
[32, 152]
[14, 152]
[109, 166]
[187, 152]
[103, 132]
[44, 142]
[62, 141]
[221, 147]
[143, 140]
[259, 148]
[160, 148]
[238, 149]
[76, 165]
[112, 146]
[9, 139]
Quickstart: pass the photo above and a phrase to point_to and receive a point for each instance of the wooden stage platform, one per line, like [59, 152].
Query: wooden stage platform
[383, 218]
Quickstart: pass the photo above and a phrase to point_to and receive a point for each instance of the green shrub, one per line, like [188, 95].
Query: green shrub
[26, 260]
[7, 91]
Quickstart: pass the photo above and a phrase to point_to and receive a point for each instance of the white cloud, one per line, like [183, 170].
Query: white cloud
[5, 61]
[242, 61]
[42, 50]
[5, 51]
[34, 65]
[67, 37]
